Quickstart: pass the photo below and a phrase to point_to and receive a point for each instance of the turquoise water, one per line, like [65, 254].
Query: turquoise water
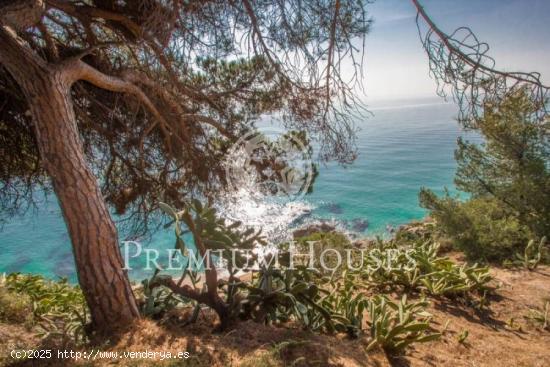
[401, 149]
[404, 146]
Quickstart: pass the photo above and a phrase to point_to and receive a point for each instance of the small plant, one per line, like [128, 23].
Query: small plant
[446, 327]
[281, 295]
[462, 336]
[532, 255]
[511, 324]
[481, 303]
[394, 326]
[540, 317]
[439, 286]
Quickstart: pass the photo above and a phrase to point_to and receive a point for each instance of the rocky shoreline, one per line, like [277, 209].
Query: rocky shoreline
[414, 229]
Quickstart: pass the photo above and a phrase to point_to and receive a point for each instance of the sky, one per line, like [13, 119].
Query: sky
[396, 67]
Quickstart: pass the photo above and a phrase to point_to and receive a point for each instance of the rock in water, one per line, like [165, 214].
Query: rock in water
[359, 225]
[333, 208]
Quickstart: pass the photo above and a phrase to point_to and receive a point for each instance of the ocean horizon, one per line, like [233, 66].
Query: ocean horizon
[403, 146]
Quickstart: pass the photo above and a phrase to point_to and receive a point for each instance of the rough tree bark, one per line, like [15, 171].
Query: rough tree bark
[93, 234]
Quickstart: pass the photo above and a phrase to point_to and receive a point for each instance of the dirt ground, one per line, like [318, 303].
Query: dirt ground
[498, 336]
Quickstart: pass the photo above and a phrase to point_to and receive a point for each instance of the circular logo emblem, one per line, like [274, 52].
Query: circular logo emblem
[271, 162]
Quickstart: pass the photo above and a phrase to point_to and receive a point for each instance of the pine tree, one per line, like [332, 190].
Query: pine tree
[512, 164]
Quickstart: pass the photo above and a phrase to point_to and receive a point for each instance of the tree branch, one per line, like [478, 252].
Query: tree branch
[138, 78]
[519, 76]
[79, 70]
[331, 52]
[50, 42]
[183, 290]
[16, 57]
[90, 12]
[21, 15]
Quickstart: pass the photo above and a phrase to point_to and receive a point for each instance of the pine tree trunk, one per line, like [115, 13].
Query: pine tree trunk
[93, 234]
[92, 231]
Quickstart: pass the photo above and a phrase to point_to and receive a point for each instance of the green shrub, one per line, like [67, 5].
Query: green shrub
[482, 228]
[540, 317]
[347, 301]
[59, 309]
[15, 308]
[303, 295]
[335, 240]
[321, 242]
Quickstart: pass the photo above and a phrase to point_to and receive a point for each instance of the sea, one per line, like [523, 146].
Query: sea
[403, 145]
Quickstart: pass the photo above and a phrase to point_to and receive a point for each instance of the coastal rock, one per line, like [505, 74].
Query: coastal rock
[359, 225]
[362, 243]
[308, 230]
[416, 228]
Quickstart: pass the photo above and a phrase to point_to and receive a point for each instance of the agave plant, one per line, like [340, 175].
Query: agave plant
[279, 295]
[347, 303]
[439, 286]
[532, 254]
[294, 294]
[420, 268]
[425, 255]
[457, 280]
[396, 325]
[391, 267]
[410, 279]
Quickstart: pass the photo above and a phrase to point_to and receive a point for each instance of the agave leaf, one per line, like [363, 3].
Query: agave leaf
[428, 338]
